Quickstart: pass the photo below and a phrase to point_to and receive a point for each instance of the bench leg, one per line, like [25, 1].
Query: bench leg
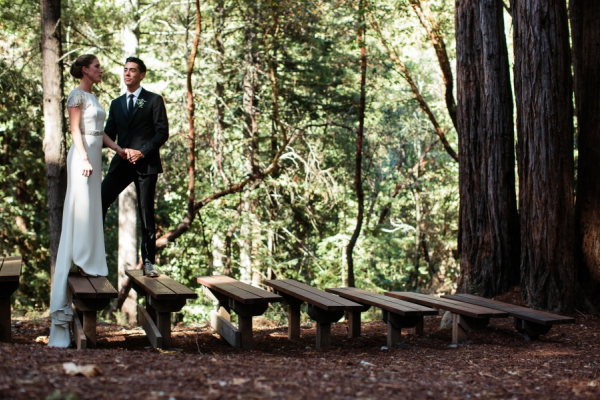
[163, 323]
[323, 335]
[459, 334]
[294, 321]
[245, 327]
[353, 324]
[418, 329]
[394, 335]
[5, 335]
[531, 330]
[89, 328]
[5, 320]
[77, 326]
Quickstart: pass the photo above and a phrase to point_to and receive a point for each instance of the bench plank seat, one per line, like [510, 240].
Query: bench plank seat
[239, 291]
[396, 313]
[10, 270]
[465, 317]
[384, 302]
[246, 300]
[453, 306]
[325, 308]
[528, 314]
[163, 296]
[313, 296]
[90, 295]
[10, 273]
[151, 286]
[531, 323]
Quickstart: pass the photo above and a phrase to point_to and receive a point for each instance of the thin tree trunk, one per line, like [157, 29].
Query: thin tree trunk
[54, 123]
[489, 261]
[585, 26]
[191, 108]
[360, 197]
[543, 92]
[434, 32]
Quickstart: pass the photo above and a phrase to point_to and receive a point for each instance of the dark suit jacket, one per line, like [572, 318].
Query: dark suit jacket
[146, 130]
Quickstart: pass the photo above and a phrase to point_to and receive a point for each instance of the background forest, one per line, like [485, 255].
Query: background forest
[276, 105]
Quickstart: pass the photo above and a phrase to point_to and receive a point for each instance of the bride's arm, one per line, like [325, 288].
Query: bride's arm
[75, 119]
[108, 142]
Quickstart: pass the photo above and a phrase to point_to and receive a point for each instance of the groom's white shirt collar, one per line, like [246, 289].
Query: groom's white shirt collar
[136, 94]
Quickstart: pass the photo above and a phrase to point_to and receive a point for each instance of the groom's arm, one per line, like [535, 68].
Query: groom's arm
[111, 127]
[161, 126]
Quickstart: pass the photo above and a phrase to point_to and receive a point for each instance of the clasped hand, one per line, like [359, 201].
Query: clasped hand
[131, 155]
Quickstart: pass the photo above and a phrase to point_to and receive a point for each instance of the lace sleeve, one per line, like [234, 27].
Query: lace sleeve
[76, 98]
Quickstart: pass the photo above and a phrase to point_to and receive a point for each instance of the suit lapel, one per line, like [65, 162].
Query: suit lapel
[123, 102]
[136, 107]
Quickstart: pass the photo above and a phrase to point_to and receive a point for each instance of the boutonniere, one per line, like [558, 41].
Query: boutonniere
[140, 103]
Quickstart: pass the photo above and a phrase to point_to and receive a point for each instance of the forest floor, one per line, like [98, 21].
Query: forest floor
[495, 363]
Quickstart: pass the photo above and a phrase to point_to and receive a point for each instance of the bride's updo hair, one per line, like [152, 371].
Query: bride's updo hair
[84, 60]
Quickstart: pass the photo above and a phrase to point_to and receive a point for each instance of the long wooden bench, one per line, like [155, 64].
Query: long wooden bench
[90, 295]
[10, 273]
[529, 322]
[322, 307]
[396, 313]
[247, 301]
[163, 296]
[465, 317]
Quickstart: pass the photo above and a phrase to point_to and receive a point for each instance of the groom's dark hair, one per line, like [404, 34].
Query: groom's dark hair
[140, 63]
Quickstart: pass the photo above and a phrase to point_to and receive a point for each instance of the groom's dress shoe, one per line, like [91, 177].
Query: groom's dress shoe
[149, 270]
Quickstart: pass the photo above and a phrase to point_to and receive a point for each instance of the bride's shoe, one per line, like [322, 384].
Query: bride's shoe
[82, 272]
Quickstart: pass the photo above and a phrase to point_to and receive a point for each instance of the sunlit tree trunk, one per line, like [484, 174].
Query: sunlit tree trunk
[585, 27]
[489, 261]
[543, 92]
[54, 123]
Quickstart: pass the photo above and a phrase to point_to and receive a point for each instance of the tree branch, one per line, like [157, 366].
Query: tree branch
[425, 15]
[423, 104]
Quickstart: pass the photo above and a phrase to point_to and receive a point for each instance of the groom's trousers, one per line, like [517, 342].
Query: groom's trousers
[145, 185]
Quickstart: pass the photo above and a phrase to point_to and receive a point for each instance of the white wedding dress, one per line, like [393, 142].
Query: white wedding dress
[82, 238]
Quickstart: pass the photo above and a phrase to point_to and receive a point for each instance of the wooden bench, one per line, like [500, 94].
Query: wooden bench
[531, 323]
[10, 272]
[247, 301]
[90, 295]
[396, 313]
[322, 307]
[163, 296]
[465, 317]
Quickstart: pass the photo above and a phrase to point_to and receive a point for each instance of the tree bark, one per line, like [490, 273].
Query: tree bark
[489, 261]
[585, 26]
[54, 123]
[543, 92]
[360, 197]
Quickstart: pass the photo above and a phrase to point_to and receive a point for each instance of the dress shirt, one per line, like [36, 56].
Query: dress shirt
[135, 94]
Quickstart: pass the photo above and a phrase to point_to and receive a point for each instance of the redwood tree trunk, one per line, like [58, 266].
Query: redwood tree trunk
[54, 133]
[585, 25]
[543, 92]
[489, 261]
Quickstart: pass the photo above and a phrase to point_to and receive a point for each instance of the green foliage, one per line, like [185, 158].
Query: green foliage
[297, 222]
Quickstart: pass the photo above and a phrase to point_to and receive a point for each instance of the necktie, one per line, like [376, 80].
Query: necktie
[130, 105]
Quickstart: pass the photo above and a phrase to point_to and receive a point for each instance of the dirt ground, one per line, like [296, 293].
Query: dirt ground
[496, 363]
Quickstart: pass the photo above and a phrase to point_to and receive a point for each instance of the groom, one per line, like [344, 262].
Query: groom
[139, 120]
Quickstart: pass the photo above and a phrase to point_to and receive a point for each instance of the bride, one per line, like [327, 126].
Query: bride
[82, 239]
